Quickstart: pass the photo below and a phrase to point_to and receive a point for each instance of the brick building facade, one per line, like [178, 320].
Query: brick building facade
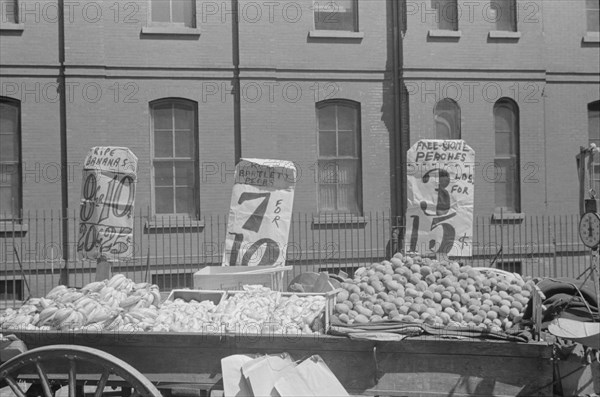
[162, 81]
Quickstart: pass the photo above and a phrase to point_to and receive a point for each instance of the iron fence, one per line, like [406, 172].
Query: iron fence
[167, 251]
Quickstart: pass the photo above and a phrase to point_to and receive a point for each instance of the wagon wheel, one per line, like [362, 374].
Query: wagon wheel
[70, 357]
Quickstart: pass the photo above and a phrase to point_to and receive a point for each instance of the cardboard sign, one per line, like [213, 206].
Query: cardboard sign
[260, 213]
[440, 195]
[106, 210]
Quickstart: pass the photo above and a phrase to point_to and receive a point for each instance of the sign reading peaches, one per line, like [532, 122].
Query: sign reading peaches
[440, 195]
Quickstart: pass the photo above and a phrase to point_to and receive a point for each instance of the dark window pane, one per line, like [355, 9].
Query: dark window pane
[184, 12]
[184, 144]
[594, 126]
[184, 173]
[163, 144]
[346, 118]
[447, 14]
[503, 118]
[447, 119]
[184, 118]
[593, 21]
[9, 148]
[8, 11]
[326, 118]
[8, 118]
[328, 172]
[502, 13]
[164, 200]
[327, 198]
[503, 144]
[163, 173]
[327, 143]
[163, 118]
[346, 143]
[184, 200]
[335, 15]
[161, 11]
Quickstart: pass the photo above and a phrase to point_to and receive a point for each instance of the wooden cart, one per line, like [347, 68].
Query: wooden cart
[153, 364]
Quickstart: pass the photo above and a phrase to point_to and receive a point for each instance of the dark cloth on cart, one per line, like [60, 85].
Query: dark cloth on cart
[419, 329]
[568, 298]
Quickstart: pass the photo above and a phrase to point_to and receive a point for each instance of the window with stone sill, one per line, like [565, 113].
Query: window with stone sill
[339, 158]
[175, 159]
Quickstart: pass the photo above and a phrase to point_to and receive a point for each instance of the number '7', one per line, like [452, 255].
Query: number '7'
[254, 221]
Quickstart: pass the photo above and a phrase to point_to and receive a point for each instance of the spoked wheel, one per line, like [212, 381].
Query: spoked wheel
[55, 366]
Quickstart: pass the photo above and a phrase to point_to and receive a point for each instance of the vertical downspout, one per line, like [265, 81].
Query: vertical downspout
[395, 141]
[64, 186]
[399, 160]
[237, 111]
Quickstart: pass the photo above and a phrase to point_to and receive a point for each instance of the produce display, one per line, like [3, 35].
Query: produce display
[119, 304]
[422, 290]
[115, 304]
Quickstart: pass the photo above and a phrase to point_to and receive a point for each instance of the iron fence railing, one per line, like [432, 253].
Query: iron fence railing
[167, 251]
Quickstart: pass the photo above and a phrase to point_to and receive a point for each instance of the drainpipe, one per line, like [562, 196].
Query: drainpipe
[64, 186]
[237, 112]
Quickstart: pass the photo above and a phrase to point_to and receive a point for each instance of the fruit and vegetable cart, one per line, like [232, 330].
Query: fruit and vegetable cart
[116, 334]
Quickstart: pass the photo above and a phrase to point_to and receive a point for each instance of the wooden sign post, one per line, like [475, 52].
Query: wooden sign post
[106, 210]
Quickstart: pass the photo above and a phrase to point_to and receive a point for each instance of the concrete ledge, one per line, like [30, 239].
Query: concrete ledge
[335, 34]
[170, 30]
[12, 26]
[504, 34]
[444, 33]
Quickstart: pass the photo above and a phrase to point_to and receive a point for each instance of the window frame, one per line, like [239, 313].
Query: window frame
[19, 163]
[516, 136]
[16, 24]
[171, 28]
[587, 12]
[440, 15]
[512, 9]
[196, 161]
[456, 115]
[317, 28]
[356, 107]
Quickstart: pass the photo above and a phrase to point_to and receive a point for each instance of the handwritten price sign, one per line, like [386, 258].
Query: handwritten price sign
[260, 213]
[440, 194]
[106, 210]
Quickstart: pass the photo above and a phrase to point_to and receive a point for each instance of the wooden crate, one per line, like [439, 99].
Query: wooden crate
[188, 295]
[235, 277]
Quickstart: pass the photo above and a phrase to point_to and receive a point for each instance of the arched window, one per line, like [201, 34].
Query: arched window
[10, 159]
[503, 13]
[506, 161]
[446, 16]
[175, 157]
[339, 157]
[447, 119]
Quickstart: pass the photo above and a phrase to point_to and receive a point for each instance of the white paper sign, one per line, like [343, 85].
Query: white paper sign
[260, 213]
[107, 198]
[440, 195]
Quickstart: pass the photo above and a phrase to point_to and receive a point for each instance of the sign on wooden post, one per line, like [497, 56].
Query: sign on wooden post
[440, 195]
[260, 213]
[106, 209]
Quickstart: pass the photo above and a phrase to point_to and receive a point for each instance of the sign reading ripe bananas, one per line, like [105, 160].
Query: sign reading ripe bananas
[440, 192]
[260, 213]
[106, 209]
